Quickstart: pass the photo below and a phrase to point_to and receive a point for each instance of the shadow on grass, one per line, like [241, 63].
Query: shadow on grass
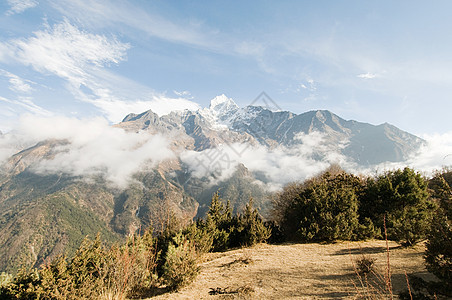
[365, 250]
[156, 291]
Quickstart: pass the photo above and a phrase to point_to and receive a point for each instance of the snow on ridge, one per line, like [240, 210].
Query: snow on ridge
[223, 112]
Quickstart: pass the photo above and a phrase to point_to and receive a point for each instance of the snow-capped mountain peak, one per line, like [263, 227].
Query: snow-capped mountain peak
[222, 104]
[220, 111]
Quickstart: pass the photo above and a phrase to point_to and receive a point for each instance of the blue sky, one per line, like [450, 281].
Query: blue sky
[371, 61]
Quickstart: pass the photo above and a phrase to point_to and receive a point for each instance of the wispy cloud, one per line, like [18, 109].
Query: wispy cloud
[367, 75]
[111, 13]
[27, 105]
[435, 154]
[17, 84]
[185, 94]
[116, 109]
[19, 6]
[281, 165]
[66, 51]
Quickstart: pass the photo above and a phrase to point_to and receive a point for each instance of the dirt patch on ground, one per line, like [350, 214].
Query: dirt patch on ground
[299, 271]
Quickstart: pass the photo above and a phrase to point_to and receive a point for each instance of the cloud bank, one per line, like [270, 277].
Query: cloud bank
[92, 148]
[279, 166]
[275, 167]
[434, 155]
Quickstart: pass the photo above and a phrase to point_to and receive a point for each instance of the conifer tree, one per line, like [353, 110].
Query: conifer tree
[218, 223]
[251, 228]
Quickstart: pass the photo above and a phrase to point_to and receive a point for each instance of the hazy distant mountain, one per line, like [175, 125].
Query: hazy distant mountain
[44, 214]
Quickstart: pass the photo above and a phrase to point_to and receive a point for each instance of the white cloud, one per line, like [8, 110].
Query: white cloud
[281, 165]
[9, 145]
[367, 76]
[79, 57]
[17, 84]
[67, 52]
[115, 109]
[434, 155]
[185, 94]
[26, 104]
[277, 166]
[19, 6]
[106, 12]
[93, 148]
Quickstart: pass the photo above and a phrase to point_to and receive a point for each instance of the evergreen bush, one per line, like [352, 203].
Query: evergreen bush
[402, 197]
[438, 255]
[93, 272]
[180, 267]
[324, 208]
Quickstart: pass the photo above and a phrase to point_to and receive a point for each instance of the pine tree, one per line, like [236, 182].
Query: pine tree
[251, 228]
[218, 223]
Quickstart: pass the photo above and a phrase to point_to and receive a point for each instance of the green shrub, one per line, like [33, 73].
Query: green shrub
[438, 260]
[367, 230]
[93, 272]
[23, 286]
[402, 196]
[131, 268]
[322, 209]
[441, 192]
[200, 235]
[438, 255]
[180, 267]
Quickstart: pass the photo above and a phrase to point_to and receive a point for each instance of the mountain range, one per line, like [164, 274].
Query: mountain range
[225, 122]
[43, 214]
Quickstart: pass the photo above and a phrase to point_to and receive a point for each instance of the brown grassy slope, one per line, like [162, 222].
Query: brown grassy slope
[297, 271]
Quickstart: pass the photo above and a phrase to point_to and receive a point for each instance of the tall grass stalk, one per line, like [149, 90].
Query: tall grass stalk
[374, 284]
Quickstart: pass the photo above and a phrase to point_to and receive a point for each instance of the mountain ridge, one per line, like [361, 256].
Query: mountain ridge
[367, 144]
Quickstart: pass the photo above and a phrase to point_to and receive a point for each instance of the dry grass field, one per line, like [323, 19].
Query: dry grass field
[299, 271]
